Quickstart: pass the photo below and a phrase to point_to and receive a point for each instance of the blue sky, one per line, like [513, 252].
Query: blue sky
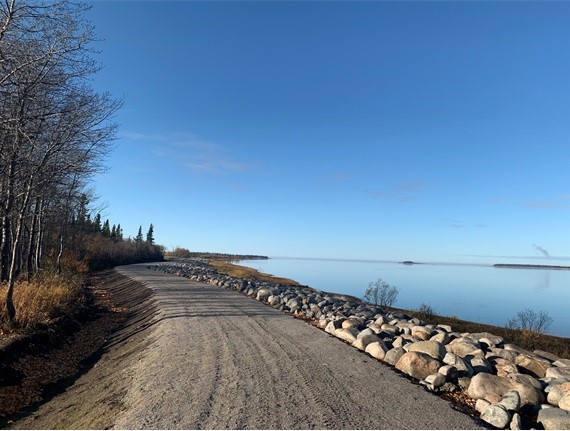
[434, 131]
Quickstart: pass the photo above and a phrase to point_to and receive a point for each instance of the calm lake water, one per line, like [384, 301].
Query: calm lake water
[472, 292]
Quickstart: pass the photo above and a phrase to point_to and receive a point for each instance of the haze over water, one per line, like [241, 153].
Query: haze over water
[478, 293]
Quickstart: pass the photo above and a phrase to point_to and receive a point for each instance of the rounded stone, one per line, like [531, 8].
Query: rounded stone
[376, 349]
[418, 365]
[497, 416]
[564, 403]
[511, 401]
[557, 392]
[432, 348]
[554, 419]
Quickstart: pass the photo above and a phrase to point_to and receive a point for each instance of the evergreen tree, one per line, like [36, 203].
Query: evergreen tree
[106, 230]
[119, 232]
[139, 237]
[97, 223]
[114, 233]
[150, 234]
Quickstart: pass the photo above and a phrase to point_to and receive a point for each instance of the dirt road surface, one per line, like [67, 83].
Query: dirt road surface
[203, 357]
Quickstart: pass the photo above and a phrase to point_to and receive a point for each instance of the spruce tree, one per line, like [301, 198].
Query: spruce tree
[139, 237]
[150, 234]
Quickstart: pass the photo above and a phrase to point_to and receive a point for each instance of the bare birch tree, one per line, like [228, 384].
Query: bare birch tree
[54, 129]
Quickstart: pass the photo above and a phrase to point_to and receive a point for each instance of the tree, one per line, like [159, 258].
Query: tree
[149, 235]
[530, 320]
[54, 130]
[381, 293]
[106, 230]
[139, 237]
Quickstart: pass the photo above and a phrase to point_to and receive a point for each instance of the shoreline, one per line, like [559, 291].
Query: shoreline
[475, 369]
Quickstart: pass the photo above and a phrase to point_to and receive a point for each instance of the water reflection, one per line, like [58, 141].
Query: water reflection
[474, 292]
[542, 281]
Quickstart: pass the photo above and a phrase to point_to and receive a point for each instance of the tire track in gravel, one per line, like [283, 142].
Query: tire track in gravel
[215, 359]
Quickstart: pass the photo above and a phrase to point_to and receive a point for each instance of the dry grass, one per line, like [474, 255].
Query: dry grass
[526, 339]
[237, 271]
[43, 299]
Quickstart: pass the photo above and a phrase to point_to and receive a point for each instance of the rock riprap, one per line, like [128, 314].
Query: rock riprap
[505, 380]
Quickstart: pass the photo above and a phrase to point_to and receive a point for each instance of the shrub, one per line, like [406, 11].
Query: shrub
[180, 252]
[381, 293]
[426, 311]
[531, 321]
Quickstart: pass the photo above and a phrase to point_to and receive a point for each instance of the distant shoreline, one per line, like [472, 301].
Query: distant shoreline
[528, 266]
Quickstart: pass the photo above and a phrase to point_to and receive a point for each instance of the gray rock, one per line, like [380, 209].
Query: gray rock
[449, 372]
[562, 363]
[564, 403]
[513, 347]
[446, 328]
[497, 416]
[462, 347]
[374, 327]
[350, 323]
[332, 326]
[494, 339]
[441, 337]
[479, 364]
[556, 392]
[377, 350]
[348, 335]
[463, 368]
[558, 372]
[516, 422]
[481, 405]
[421, 333]
[263, 295]
[362, 342]
[511, 401]
[546, 355]
[492, 388]
[390, 328]
[432, 348]
[365, 332]
[417, 364]
[509, 355]
[554, 419]
[393, 355]
[526, 379]
[532, 365]
[435, 380]
[503, 366]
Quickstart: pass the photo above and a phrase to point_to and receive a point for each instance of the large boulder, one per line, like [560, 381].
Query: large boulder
[417, 364]
[558, 372]
[463, 347]
[503, 367]
[348, 335]
[533, 365]
[393, 355]
[485, 337]
[554, 419]
[433, 348]
[556, 392]
[497, 416]
[462, 366]
[564, 403]
[362, 342]
[492, 388]
[377, 349]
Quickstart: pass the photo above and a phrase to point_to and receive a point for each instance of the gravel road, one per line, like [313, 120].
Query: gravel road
[211, 358]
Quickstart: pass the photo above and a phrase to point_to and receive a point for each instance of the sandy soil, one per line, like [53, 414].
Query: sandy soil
[196, 356]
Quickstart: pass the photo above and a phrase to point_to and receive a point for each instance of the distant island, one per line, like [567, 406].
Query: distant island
[409, 262]
[528, 266]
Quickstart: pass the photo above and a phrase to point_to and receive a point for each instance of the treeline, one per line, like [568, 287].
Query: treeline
[97, 245]
[55, 132]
